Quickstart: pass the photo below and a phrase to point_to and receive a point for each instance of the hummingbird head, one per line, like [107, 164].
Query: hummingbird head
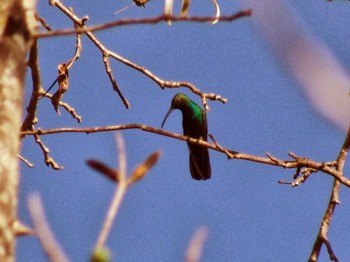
[178, 102]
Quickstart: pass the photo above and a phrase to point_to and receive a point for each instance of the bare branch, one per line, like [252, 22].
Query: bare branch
[51, 247]
[119, 194]
[33, 62]
[67, 107]
[43, 22]
[333, 201]
[111, 78]
[121, 187]
[79, 23]
[63, 72]
[344, 151]
[325, 167]
[26, 161]
[142, 21]
[195, 246]
[81, 28]
[49, 161]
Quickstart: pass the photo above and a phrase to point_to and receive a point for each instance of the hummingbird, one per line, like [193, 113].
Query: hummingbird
[194, 123]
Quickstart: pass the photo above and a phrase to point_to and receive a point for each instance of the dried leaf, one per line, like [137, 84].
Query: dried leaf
[62, 77]
[62, 86]
[217, 13]
[184, 7]
[103, 169]
[168, 10]
[142, 169]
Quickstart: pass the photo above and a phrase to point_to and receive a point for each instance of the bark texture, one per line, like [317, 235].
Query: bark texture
[17, 25]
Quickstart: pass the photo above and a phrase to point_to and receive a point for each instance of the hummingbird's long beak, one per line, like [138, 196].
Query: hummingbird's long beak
[166, 116]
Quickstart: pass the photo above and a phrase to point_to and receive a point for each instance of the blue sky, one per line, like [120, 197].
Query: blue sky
[249, 216]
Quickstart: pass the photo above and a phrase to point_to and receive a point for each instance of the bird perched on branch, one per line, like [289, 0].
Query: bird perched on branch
[194, 122]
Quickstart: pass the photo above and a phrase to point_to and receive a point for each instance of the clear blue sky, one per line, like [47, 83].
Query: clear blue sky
[250, 217]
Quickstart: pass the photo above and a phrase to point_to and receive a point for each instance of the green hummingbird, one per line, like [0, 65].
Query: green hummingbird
[194, 122]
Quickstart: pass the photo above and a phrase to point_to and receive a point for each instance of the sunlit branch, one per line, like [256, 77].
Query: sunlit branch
[49, 161]
[322, 237]
[26, 161]
[142, 21]
[112, 79]
[63, 72]
[43, 22]
[67, 107]
[33, 63]
[296, 162]
[79, 22]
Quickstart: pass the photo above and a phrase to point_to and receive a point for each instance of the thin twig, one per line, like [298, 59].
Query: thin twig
[195, 247]
[142, 21]
[37, 92]
[161, 83]
[78, 47]
[51, 247]
[333, 202]
[26, 161]
[68, 108]
[79, 23]
[122, 184]
[43, 22]
[33, 63]
[111, 78]
[63, 71]
[49, 161]
[119, 194]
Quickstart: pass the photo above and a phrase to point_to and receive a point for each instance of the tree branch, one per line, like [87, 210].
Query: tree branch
[122, 184]
[81, 28]
[333, 201]
[297, 162]
[17, 27]
[42, 230]
[142, 21]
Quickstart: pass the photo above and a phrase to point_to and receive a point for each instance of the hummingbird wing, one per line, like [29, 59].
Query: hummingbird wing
[199, 156]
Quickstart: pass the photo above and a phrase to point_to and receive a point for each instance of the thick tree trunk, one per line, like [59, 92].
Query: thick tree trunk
[16, 29]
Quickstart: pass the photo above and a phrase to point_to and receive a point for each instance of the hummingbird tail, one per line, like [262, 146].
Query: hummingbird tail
[199, 163]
